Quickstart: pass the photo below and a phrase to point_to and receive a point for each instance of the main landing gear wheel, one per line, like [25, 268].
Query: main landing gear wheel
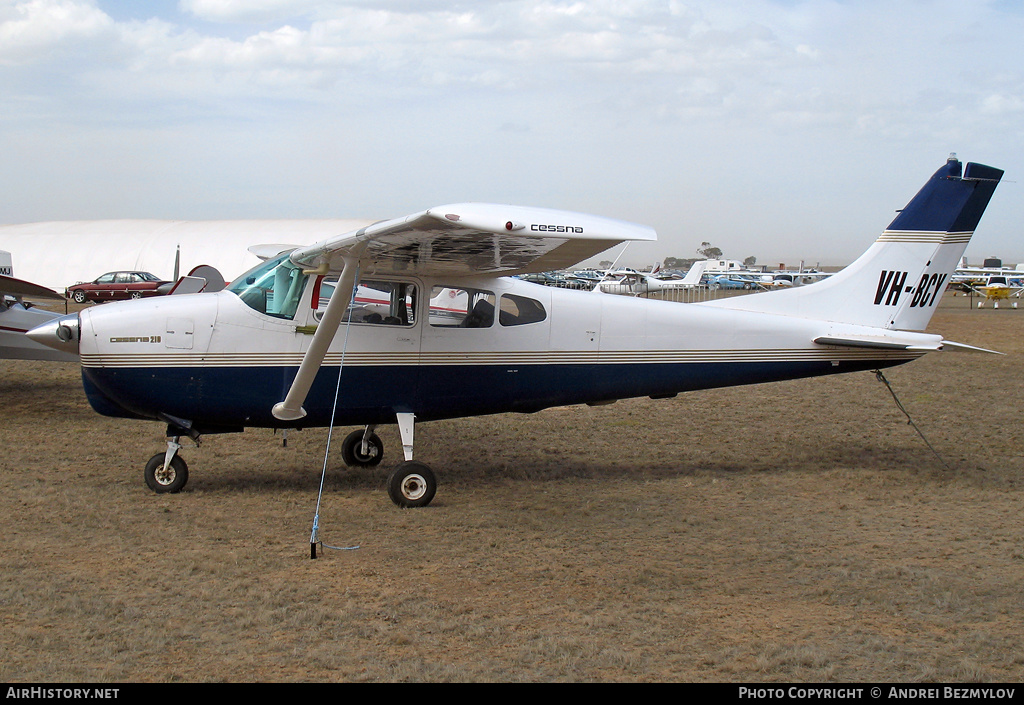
[352, 450]
[412, 484]
[171, 480]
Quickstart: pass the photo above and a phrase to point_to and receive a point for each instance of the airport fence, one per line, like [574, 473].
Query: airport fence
[689, 296]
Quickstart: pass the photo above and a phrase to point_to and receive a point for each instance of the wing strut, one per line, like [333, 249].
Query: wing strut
[291, 408]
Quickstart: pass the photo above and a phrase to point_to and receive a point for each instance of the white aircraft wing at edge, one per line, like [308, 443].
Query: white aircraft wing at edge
[19, 287]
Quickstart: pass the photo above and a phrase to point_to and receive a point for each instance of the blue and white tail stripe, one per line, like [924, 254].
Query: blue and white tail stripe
[917, 236]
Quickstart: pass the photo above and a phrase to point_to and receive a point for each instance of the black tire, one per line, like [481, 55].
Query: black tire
[173, 481]
[351, 450]
[412, 484]
[136, 294]
[79, 296]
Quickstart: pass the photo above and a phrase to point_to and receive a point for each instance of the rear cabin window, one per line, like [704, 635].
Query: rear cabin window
[520, 310]
[452, 307]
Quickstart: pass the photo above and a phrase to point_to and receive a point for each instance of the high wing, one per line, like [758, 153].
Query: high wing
[469, 239]
[19, 288]
[18, 317]
[465, 239]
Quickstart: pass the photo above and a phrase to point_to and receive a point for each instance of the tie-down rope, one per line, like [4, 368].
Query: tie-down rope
[881, 378]
[313, 538]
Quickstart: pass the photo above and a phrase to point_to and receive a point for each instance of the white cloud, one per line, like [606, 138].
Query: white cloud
[32, 31]
[1000, 104]
[559, 102]
[232, 11]
[246, 11]
[513, 45]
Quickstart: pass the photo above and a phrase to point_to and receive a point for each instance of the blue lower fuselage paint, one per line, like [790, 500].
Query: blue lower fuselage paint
[233, 397]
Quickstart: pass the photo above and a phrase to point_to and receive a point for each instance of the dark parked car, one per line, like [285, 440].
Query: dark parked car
[114, 286]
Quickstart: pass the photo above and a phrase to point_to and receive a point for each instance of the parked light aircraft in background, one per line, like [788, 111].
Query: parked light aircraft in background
[634, 283]
[266, 352]
[786, 279]
[18, 316]
[995, 288]
[966, 272]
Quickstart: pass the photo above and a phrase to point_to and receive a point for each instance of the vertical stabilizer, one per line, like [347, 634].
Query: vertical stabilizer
[694, 274]
[898, 282]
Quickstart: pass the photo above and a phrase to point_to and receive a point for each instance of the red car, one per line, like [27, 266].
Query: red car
[114, 286]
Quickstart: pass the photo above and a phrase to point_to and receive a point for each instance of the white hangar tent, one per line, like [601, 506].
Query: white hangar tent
[60, 253]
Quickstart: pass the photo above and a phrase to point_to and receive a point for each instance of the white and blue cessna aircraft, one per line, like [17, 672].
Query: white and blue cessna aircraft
[354, 330]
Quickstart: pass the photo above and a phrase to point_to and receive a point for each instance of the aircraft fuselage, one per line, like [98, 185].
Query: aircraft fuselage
[220, 363]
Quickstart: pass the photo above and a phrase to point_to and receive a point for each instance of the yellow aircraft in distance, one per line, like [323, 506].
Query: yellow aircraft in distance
[997, 289]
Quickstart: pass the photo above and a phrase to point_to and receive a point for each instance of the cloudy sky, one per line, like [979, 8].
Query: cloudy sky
[782, 129]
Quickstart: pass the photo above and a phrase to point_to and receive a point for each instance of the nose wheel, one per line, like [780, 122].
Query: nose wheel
[167, 472]
[166, 476]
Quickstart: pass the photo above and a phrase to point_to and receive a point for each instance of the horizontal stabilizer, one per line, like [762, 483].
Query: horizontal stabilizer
[950, 346]
[888, 343]
[876, 343]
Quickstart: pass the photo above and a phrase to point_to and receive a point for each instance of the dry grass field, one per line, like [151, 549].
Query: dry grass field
[799, 531]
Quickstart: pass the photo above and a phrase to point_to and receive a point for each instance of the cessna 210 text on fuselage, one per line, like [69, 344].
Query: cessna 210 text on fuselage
[267, 352]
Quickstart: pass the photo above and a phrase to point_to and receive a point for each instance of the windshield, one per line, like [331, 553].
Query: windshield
[273, 287]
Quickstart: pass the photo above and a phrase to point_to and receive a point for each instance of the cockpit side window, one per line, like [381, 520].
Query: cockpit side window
[390, 303]
[452, 307]
[520, 310]
[273, 288]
